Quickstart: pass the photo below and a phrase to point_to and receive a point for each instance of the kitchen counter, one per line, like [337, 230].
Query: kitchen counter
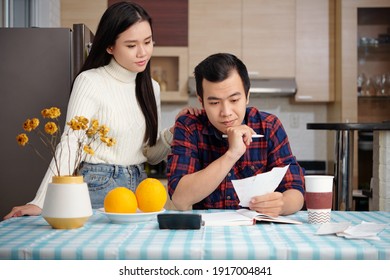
[350, 126]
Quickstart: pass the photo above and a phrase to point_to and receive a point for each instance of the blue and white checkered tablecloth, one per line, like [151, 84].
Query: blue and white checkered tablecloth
[33, 238]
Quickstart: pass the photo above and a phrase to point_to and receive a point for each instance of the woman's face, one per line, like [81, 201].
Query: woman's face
[134, 47]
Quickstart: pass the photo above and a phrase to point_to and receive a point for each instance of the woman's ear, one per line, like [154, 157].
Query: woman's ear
[109, 50]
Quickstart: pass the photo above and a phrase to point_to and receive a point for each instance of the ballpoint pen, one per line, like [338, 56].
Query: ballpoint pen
[253, 136]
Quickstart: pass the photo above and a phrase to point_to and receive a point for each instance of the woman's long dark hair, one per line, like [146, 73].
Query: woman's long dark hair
[115, 20]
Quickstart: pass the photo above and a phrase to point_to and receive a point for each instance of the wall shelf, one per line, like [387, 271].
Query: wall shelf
[379, 52]
[169, 67]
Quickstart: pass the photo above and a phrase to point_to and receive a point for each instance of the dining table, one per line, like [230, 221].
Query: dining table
[31, 238]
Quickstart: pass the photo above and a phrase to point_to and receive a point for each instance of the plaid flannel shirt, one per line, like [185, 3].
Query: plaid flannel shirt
[196, 144]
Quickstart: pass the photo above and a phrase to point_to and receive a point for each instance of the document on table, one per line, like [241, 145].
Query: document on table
[259, 184]
[225, 218]
[242, 217]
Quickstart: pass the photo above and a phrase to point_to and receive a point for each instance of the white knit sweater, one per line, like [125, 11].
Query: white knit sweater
[108, 95]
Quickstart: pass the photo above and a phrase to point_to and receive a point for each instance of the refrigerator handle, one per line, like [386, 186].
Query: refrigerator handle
[82, 42]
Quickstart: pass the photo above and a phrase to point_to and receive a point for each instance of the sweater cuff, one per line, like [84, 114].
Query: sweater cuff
[167, 137]
[37, 202]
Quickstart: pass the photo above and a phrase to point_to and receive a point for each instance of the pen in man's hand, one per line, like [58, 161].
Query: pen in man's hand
[253, 136]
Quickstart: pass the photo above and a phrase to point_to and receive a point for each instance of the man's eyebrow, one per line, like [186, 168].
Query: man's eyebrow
[217, 98]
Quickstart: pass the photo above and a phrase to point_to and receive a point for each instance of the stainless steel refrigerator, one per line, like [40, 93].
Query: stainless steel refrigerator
[37, 68]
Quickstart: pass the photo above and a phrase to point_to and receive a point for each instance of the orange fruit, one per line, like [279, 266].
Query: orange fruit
[120, 200]
[151, 195]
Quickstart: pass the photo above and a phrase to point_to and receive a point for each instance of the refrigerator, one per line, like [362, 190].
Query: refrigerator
[37, 68]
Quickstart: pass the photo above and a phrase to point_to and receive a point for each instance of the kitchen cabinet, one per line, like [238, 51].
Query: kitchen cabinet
[346, 106]
[373, 109]
[274, 39]
[373, 80]
[260, 32]
[214, 26]
[268, 37]
[169, 68]
[87, 12]
[314, 70]
[170, 21]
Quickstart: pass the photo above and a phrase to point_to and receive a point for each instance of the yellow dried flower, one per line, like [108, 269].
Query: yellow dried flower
[75, 125]
[89, 150]
[111, 142]
[93, 129]
[86, 133]
[82, 119]
[30, 125]
[108, 141]
[45, 113]
[22, 139]
[71, 122]
[95, 124]
[27, 125]
[91, 132]
[51, 128]
[34, 123]
[103, 131]
[52, 113]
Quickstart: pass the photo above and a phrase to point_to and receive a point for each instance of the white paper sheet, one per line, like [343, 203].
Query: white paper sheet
[259, 184]
[332, 228]
[364, 230]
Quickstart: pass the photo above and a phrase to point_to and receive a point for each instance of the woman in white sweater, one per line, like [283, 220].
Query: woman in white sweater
[115, 87]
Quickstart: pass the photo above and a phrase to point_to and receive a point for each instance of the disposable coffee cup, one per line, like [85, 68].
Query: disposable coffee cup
[318, 198]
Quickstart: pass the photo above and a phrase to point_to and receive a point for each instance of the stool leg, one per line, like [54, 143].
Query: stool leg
[343, 170]
[337, 170]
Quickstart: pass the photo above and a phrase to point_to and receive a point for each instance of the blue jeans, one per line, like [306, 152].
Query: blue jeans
[101, 178]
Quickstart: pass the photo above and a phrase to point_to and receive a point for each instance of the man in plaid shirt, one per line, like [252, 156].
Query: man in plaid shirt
[203, 161]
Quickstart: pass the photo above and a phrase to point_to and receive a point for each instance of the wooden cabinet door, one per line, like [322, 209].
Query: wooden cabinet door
[268, 37]
[214, 26]
[347, 62]
[170, 21]
[283, 38]
[315, 50]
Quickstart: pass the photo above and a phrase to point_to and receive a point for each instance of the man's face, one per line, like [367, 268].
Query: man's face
[225, 102]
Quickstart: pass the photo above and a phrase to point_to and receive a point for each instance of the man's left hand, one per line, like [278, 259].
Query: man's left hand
[269, 204]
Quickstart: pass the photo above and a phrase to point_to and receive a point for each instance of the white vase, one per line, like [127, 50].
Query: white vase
[67, 204]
